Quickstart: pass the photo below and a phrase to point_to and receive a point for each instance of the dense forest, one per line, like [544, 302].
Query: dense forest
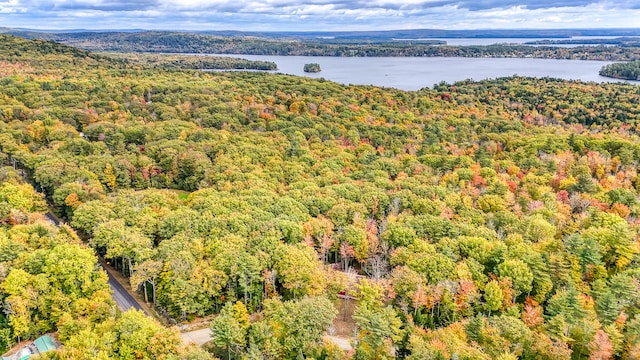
[629, 70]
[620, 41]
[204, 62]
[49, 280]
[475, 220]
[299, 45]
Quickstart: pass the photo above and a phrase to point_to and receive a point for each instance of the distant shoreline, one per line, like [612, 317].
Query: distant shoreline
[363, 44]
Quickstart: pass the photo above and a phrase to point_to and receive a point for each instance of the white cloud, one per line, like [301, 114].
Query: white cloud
[318, 14]
[11, 6]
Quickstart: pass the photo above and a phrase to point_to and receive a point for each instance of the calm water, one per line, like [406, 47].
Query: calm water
[413, 73]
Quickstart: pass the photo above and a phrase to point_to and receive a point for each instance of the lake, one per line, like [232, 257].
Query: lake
[413, 73]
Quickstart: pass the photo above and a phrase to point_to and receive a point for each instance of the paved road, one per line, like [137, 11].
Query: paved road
[125, 302]
[52, 218]
[120, 295]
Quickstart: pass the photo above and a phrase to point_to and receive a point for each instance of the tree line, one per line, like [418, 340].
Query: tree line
[629, 70]
[177, 42]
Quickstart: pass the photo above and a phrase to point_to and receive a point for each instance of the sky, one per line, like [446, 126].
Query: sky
[319, 15]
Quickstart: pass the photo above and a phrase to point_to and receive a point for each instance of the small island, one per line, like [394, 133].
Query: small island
[312, 68]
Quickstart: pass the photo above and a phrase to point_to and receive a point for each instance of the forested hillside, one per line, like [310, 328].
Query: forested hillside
[175, 42]
[362, 44]
[486, 220]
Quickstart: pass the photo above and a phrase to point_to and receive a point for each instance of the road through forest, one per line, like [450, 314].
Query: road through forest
[126, 301]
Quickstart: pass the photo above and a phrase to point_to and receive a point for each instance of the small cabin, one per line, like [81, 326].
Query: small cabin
[44, 344]
[40, 345]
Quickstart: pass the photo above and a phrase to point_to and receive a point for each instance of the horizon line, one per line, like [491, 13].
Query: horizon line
[317, 31]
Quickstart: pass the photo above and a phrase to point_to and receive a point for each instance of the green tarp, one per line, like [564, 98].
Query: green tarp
[44, 344]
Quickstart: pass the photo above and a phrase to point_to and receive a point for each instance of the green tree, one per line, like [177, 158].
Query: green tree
[300, 324]
[379, 330]
[492, 296]
[229, 331]
[299, 270]
[119, 241]
[519, 273]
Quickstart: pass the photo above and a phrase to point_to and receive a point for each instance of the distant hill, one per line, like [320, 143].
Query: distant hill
[619, 41]
[14, 47]
[370, 35]
[422, 43]
[438, 33]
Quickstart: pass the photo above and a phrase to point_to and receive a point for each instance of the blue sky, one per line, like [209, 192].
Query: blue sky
[320, 15]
